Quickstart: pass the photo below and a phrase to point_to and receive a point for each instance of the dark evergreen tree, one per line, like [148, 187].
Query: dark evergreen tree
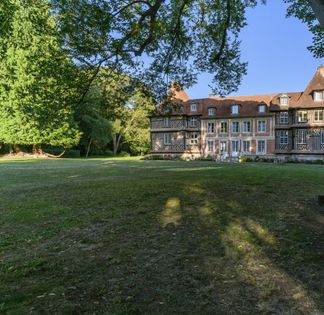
[37, 86]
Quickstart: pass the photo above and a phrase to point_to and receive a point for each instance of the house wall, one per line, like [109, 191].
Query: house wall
[183, 143]
[311, 128]
[253, 136]
[177, 142]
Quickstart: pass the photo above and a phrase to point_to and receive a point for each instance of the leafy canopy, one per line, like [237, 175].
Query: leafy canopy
[306, 13]
[36, 87]
[158, 41]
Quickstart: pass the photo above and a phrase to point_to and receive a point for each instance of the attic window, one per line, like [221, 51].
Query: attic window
[284, 100]
[319, 96]
[193, 107]
[235, 109]
[261, 108]
[211, 111]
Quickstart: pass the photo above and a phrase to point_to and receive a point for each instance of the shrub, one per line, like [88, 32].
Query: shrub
[108, 152]
[70, 153]
[4, 148]
[123, 154]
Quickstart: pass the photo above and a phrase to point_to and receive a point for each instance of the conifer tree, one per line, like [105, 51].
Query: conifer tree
[37, 78]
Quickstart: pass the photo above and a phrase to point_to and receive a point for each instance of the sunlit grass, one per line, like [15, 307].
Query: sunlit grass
[125, 236]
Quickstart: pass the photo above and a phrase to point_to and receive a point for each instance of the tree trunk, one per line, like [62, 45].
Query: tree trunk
[88, 149]
[116, 142]
[37, 149]
[14, 149]
[55, 156]
[318, 8]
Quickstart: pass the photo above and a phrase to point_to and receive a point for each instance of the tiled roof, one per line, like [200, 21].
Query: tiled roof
[261, 98]
[293, 99]
[249, 104]
[181, 95]
[316, 84]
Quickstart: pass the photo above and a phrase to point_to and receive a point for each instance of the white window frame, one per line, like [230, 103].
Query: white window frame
[236, 124]
[262, 106]
[211, 111]
[194, 138]
[283, 137]
[302, 137]
[318, 115]
[245, 124]
[302, 116]
[235, 109]
[262, 123]
[284, 118]
[284, 100]
[193, 107]
[193, 122]
[265, 147]
[167, 140]
[210, 146]
[244, 142]
[319, 96]
[235, 146]
[210, 127]
[166, 122]
[221, 144]
[224, 123]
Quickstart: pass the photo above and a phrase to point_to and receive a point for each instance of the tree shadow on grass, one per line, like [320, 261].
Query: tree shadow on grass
[224, 258]
[207, 247]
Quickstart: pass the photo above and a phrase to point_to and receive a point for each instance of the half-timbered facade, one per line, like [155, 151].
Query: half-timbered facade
[261, 125]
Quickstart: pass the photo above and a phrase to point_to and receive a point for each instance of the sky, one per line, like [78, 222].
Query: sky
[275, 48]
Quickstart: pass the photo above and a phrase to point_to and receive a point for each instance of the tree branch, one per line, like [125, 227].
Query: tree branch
[318, 8]
[129, 5]
[218, 56]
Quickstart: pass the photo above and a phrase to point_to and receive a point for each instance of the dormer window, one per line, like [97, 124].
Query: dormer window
[211, 111]
[284, 100]
[319, 96]
[261, 108]
[193, 107]
[235, 109]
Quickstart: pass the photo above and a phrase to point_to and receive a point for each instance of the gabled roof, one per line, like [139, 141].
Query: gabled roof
[293, 99]
[249, 104]
[222, 105]
[316, 84]
[261, 98]
[181, 95]
[177, 93]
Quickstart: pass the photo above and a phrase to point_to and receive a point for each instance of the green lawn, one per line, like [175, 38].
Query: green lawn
[109, 236]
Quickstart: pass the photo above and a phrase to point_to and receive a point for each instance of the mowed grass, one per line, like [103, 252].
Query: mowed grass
[109, 236]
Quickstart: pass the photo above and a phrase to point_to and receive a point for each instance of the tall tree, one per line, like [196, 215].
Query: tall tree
[137, 130]
[118, 89]
[115, 112]
[36, 86]
[91, 117]
[177, 38]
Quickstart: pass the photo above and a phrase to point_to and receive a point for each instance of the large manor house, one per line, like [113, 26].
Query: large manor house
[288, 124]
